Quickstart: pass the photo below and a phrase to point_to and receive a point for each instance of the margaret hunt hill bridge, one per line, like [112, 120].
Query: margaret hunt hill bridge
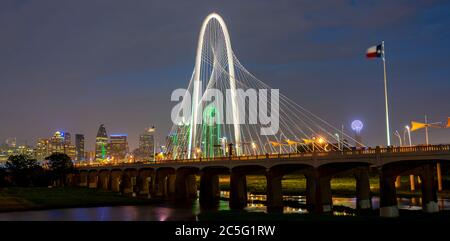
[199, 145]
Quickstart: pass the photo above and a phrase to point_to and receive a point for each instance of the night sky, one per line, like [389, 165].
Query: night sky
[71, 65]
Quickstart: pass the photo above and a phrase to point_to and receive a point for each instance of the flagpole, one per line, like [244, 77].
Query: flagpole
[385, 95]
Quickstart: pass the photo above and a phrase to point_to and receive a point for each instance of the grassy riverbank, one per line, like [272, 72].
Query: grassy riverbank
[35, 198]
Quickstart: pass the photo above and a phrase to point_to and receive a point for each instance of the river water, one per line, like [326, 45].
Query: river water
[172, 212]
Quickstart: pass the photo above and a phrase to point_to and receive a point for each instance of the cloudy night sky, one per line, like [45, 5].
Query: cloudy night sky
[72, 65]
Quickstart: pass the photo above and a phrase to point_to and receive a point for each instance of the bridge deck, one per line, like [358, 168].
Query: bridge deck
[374, 156]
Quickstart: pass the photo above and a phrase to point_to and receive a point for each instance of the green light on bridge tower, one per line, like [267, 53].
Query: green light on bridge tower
[210, 132]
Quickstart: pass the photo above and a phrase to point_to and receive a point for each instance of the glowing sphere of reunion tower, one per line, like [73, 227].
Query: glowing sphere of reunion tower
[357, 126]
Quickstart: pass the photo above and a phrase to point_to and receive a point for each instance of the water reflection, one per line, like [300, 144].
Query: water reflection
[120, 213]
[190, 211]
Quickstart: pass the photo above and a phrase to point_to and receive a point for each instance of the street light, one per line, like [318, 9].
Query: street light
[198, 151]
[254, 148]
[338, 140]
[320, 140]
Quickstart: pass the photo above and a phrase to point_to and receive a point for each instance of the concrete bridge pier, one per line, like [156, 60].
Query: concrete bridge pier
[129, 182]
[209, 189]
[429, 191]
[164, 182]
[311, 193]
[115, 180]
[388, 195]
[83, 179]
[274, 191]
[103, 180]
[73, 179]
[324, 197]
[160, 184]
[185, 184]
[144, 182]
[92, 179]
[238, 190]
[170, 189]
[126, 186]
[363, 189]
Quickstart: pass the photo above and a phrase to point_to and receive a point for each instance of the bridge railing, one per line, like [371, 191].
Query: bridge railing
[349, 152]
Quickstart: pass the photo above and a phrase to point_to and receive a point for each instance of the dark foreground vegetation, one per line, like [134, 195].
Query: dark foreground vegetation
[22, 171]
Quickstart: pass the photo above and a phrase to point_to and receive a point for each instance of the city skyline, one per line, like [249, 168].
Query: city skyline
[129, 94]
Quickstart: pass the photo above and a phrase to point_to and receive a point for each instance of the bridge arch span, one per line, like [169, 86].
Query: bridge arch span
[196, 91]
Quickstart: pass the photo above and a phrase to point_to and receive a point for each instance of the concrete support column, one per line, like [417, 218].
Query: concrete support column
[170, 185]
[209, 189]
[363, 189]
[325, 201]
[126, 184]
[92, 180]
[191, 187]
[311, 193]
[429, 194]
[83, 179]
[160, 185]
[388, 196]
[238, 190]
[76, 179]
[185, 186]
[151, 185]
[144, 185]
[103, 181]
[72, 179]
[115, 182]
[274, 192]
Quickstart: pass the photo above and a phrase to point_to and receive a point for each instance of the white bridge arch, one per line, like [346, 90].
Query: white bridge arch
[216, 64]
[196, 91]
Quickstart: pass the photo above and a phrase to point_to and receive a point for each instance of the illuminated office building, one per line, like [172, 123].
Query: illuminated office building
[41, 149]
[118, 147]
[101, 144]
[146, 149]
[56, 143]
[79, 147]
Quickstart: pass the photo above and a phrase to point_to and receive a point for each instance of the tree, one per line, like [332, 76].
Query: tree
[24, 171]
[3, 175]
[60, 165]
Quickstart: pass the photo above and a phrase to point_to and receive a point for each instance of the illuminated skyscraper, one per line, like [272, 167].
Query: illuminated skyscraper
[60, 142]
[79, 147]
[69, 149]
[101, 144]
[41, 150]
[118, 147]
[56, 143]
[145, 152]
[67, 138]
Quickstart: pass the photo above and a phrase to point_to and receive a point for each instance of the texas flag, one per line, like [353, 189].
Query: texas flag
[374, 51]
